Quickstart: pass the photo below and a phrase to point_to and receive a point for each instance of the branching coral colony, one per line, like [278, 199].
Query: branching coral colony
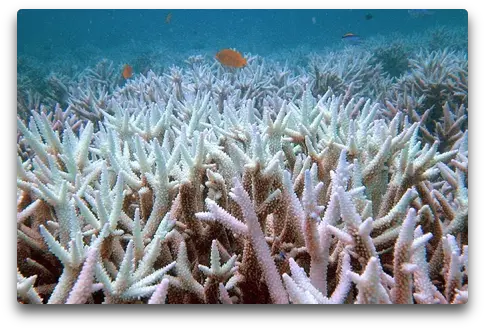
[206, 185]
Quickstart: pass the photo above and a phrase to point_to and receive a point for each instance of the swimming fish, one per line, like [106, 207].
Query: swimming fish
[417, 13]
[368, 16]
[127, 71]
[231, 58]
[168, 18]
[351, 38]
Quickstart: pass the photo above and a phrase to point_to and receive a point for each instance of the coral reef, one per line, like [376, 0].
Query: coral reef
[434, 93]
[439, 76]
[207, 184]
[335, 177]
[393, 57]
[352, 69]
[441, 37]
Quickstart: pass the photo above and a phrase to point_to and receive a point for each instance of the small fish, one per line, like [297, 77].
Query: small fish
[351, 38]
[127, 71]
[417, 13]
[168, 18]
[313, 19]
[231, 58]
[368, 16]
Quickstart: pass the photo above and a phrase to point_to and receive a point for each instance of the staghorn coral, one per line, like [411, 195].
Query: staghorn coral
[351, 68]
[439, 76]
[440, 37]
[393, 57]
[434, 94]
[181, 193]
[325, 81]
[126, 189]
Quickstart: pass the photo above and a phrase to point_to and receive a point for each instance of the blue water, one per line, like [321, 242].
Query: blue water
[50, 34]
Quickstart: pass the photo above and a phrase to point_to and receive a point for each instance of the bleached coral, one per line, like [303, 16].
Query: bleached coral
[298, 196]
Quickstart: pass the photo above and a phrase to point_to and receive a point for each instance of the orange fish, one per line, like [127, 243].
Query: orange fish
[231, 58]
[127, 71]
[168, 18]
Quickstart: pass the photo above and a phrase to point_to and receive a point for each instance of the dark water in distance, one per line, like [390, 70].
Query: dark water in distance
[48, 32]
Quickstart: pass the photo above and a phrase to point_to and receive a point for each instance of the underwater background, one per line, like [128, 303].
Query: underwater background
[89, 33]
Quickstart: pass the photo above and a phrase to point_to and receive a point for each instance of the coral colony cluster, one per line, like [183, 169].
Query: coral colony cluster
[336, 183]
